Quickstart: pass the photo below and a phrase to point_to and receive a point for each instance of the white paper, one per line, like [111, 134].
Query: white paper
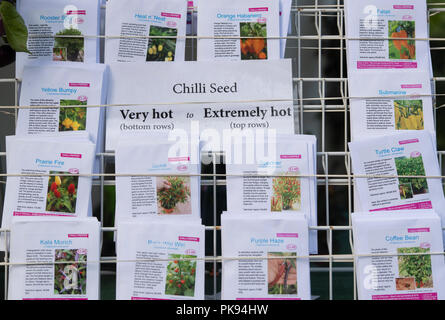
[387, 19]
[234, 19]
[285, 9]
[166, 276]
[145, 196]
[53, 242]
[265, 236]
[137, 19]
[202, 97]
[46, 18]
[403, 277]
[59, 85]
[403, 154]
[391, 104]
[34, 196]
[286, 155]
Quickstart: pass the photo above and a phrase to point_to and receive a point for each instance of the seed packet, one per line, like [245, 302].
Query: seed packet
[192, 17]
[210, 98]
[285, 9]
[160, 259]
[72, 87]
[403, 155]
[393, 256]
[289, 184]
[138, 20]
[237, 21]
[383, 19]
[48, 18]
[54, 259]
[172, 191]
[390, 104]
[62, 193]
[273, 257]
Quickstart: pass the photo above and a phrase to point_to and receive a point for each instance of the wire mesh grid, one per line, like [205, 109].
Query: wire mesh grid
[317, 48]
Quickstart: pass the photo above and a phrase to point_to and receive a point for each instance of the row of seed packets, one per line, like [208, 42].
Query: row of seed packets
[397, 225]
[135, 30]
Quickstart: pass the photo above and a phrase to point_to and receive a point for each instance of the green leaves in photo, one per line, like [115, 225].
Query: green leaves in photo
[15, 28]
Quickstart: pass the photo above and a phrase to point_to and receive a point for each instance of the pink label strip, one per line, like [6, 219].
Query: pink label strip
[71, 155]
[171, 15]
[179, 159]
[411, 86]
[82, 85]
[287, 235]
[78, 235]
[268, 299]
[408, 141]
[418, 230]
[141, 298]
[263, 9]
[411, 206]
[403, 7]
[192, 239]
[72, 12]
[290, 156]
[386, 65]
[408, 296]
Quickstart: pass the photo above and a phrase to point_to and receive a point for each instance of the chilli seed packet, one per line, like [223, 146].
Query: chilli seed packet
[397, 255]
[289, 185]
[392, 163]
[273, 257]
[172, 191]
[45, 179]
[232, 23]
[69, 253]
[382, 19]
[385, 105]
[48, 18]
[161, 258]
[142, 24]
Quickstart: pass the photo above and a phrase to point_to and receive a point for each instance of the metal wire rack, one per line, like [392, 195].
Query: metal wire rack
[318, 51]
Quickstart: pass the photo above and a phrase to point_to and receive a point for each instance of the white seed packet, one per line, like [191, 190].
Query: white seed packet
[386, 105]
[135, 20]
[174, 191]
[160, 259]
[234, 20]
[285, 9]
[48, 18]
[265, 239]
[63, 85]
[387, 265]
[48, 196]
[192, 17]
[383, 19]
[292, 158]
[208, 98]
[406, 155]
[69, 253]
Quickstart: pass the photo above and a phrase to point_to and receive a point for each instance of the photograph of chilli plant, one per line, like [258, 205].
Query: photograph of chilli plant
[412, 166]
[62, 193]
[405, 191]
[408, 114]
[74, 46]
[160, 49]
[282, 273]
[73, 119]
[253, 48]
[70, 278]
[59, 54]
[402, 48]
[286, 194]
[174, 195]
[181, 276]
[416, 266]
